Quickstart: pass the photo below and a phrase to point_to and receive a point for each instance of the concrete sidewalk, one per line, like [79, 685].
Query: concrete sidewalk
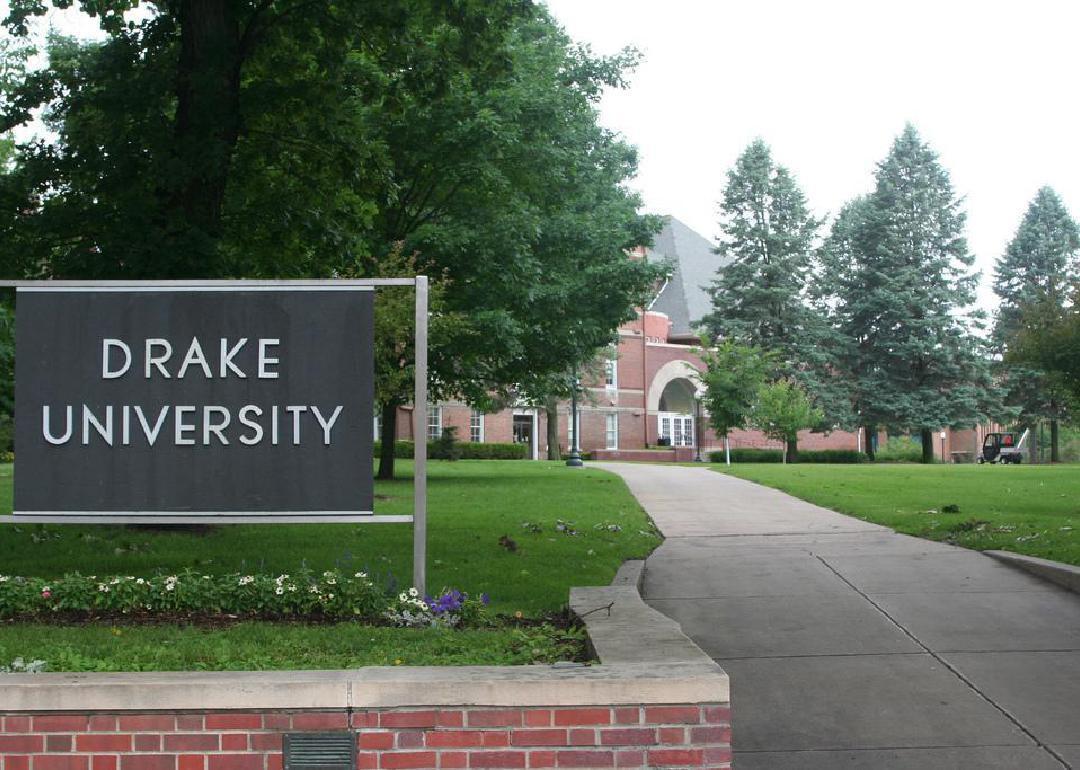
[851, 646]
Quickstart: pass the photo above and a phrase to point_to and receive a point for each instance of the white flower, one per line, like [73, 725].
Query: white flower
[329, 596]
[313, 590]
[360, 575]
[114, 581]
[279, 590]
[331, 582]
[170, 586]
[292, 589]
[247, 580]
[413, 592]
[103, 588]
[403, 597]
[4, 578]
[140, 581]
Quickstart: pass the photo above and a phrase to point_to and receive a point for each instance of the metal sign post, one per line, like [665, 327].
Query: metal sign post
[420, 408]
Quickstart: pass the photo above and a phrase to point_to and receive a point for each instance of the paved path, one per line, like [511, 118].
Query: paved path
[850, 646]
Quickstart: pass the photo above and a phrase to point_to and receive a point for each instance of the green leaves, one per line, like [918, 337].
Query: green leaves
[782, 409]
[733, 376]
[897, 281]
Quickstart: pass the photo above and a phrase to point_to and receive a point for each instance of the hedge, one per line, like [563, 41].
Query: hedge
[745, 455]
[831, 456]
[468, 450]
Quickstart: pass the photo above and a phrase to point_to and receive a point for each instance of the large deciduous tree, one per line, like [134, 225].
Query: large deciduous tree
[900, 285]
[1038, 267]
[456, 139]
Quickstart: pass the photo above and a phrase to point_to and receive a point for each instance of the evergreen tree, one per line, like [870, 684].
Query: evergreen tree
[1037, 267]
[760, 297]
[899, 270]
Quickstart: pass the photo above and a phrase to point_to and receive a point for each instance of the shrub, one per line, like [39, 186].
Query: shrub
[445, 448]
[332, 594]
[403, 450]
[831, 456]
[899, 449]
[748, 455]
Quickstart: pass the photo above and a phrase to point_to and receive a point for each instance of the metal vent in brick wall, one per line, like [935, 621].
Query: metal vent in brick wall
[320, 751]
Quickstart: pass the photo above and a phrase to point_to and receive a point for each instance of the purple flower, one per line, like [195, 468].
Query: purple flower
[485, 599]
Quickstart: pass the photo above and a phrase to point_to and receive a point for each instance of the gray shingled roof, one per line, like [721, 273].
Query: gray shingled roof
[684, 299]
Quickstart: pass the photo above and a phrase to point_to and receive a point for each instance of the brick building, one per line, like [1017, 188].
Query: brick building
[644, 393]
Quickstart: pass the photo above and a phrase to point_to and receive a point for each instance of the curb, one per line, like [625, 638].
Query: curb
[1065, 575]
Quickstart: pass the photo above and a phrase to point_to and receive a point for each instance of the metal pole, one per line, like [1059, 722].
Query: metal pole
[574, 461]
[698, 432]
[420, 408]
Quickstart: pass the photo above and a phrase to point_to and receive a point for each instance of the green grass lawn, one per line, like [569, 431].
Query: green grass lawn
[1029, 509]
[268, 646]
[472, 504]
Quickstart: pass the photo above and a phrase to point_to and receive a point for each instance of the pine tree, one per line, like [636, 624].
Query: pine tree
[768, 236]
[760, 297]
[899, 271]
[1038, 266]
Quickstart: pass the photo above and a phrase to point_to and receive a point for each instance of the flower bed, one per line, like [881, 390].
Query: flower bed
[331, 595]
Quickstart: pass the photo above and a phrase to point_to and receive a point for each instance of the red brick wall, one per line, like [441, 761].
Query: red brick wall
[674, 736]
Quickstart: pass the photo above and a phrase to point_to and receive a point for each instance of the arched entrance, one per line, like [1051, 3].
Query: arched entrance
[671, 402]
[675, 414]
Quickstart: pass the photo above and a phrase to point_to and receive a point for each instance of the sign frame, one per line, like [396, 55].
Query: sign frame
[420, 402]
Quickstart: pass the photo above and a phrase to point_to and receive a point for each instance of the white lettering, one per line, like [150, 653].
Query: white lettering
[46, 427]
[296, 411]
[182, 427]
[274, 425]
[257, 430]
[105, 431]
[158, 361]
[108, 344]
[209, 426]
[265, 360]
[194, 355]
[227, 354]
[327, 425]
[125, 431]
[151, 434]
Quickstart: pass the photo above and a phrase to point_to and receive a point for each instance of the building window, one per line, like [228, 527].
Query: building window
[611, 370]
[434, 423]
[612, 430]
[476, 426]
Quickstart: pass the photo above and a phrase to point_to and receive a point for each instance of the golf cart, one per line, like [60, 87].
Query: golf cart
[1002, 448]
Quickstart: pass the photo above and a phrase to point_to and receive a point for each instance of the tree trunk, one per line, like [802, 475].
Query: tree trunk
[791, 450]
[727, 450]
[551, 409]
[869, 448]
[1054, 456]
[1033, 444]
[388, 436]
[207, 126]
[927, 437]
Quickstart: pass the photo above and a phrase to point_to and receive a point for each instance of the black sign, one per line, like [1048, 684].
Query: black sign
[164, 403]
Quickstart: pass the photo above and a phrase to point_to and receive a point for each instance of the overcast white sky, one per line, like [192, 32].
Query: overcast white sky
[830, 83]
